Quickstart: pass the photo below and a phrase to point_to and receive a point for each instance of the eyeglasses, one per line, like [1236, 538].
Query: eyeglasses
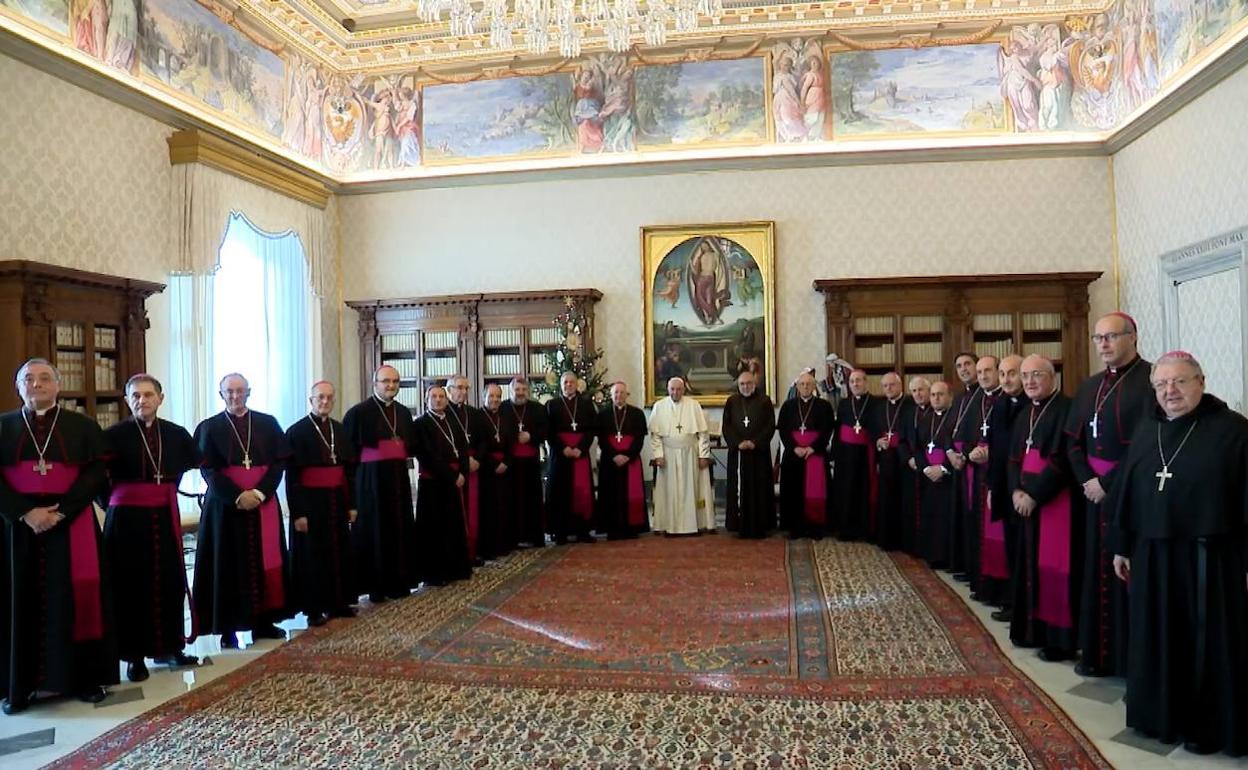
[1109, 337]
[43, 379]
[1178, 382]
[1037, 375]
[387, 382]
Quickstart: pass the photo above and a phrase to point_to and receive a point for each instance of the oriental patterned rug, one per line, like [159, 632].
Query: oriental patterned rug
[655, 653]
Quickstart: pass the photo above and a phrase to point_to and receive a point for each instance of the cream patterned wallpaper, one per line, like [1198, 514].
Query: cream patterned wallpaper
[1184, 181]
[911, 219]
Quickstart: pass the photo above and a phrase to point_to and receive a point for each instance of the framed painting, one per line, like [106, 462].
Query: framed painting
[710, 308]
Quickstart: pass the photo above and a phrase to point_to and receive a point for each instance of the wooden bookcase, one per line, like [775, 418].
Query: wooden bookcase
[917, 325]
[485, 337]
[91, 326]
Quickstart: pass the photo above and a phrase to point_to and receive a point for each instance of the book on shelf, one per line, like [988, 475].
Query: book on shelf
[447, 340]
[398, 343]
[545, 336]
[69, 335]
[922, 324]
[501, 338]
[1042, 322]
[993, 322]
[105, 338]
[409, 397]
[873, 325]
[923, 351]
[105, 372]
[537, 362]
[497, 364]
[877, 354]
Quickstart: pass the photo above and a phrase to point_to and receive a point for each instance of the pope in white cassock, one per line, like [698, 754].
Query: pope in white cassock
[680, 448]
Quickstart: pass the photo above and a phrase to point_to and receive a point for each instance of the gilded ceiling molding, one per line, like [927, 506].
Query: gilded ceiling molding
[925, 40]
[195, 146]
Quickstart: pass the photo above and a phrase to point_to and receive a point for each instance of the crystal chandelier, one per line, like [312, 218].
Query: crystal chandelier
[536, 21]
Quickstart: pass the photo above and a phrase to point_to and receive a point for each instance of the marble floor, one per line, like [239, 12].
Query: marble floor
[53, 729]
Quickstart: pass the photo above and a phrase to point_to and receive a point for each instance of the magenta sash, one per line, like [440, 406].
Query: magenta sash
[524, 451]
[390, 449]
[1053, 525]
[147, 495]
[636, 487]
[992, 561]
[1101, 466]
[84, 554]
[270, 532]
[848, 436]
[323, 476]
[816, 510]
[472, 507]
[968, 478]
[936, 457]
[582, 486]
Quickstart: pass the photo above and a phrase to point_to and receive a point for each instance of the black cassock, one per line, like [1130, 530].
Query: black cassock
[528, 506]
[621, 505]
[965, 407]
[888, 422]
[1187, 667]
[383, 537]
[805, 485]
[55, 629]
[975, 505]
[498, 534]
[570, 482]
[1049, 562]
[441, 505]
[911, 479]
[320, 489]
[1119, 400]
[476, 432]
[143, 536]
[751, 504]
[937, 499]
[1000, 430]
[240, 558]
[854, 483]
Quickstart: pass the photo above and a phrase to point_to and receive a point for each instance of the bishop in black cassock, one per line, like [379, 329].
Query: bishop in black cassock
[621, 432]
[569, 479]
[1180, 525]
[971, 440]
[1003, 522]
[384, 533]
[749, 422]
[932, 441]
[528, 507]
[498, 533]
[965, 404]
[854, 482]
[805, 423]
[320, 490]
[1107, 409]
[913, 455]
[240, 559]
[143, 531]
[887, 424]
[441, 501]
[55, 633]
[470, 423]
[1046, 589]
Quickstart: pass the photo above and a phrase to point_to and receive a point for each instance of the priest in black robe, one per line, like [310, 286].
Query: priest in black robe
[912, 454]
[1004, 522]
[854, 483]
[971, 440]
[383, 536]
[569, 478]
[1107, 409]
[55, 631]
[621, 432]
[749, 422]
[498, 535]
[887, 424]
[965, 401]
[1043, 493]
[441, 503]
[1180, 525]
[143, 532]
[528, 506]
[240, 559]
[320, 490]
[937, 493]
[805, 426]
[470, 423]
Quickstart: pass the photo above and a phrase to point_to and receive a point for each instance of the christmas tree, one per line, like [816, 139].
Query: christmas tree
[573, 326]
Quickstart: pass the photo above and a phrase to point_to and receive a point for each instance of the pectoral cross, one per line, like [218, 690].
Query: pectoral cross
[889, 437]
[522, 427]
[857, 427]
[1162, 475]
[574, 426]
[931, 447]
[746, 421]
[42, 467]
[802, 429]
[468, 436]
[1028, 442]
[619, 436]
[983, 429]
[158, 476]
[679, 428]
[247, 462]
[333, 459]
[1095, 432]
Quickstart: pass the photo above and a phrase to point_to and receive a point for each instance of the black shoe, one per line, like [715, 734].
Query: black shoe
[975, 595]
[1196, 747]
[269, 631]
[229, 641]
[1087, 669]
[961, 577]
[136, 671]
[1004, 616]
[377, 598]
[15, 706]
[178, 660]
[319, 619]
[1052, 655]
[94, 694]
[343, 612]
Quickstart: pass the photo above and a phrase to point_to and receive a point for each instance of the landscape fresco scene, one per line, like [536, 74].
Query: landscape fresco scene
[499, 118]
[1187, 27]
[714, 102]
[53, 14]
[188, 47]
[950, 89]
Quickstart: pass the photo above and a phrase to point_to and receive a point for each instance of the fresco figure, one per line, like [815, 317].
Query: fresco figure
[587, 109]
[814, 93]
[786, 103]
[1018, 85]
[123, 33]
[618, 121]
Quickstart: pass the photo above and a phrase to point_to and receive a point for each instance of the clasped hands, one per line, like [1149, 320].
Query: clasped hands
[42, 519]
[956, 459]
[661, 462]
[249, 500]
[1024, 504]
[571, 452]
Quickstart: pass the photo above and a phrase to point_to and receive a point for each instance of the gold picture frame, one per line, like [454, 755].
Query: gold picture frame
[708, 292]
